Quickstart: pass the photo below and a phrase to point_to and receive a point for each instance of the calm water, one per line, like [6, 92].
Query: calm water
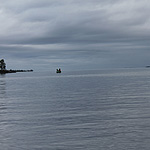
[91, 110]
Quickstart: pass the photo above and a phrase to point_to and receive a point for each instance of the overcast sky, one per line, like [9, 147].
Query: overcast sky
[74, 34]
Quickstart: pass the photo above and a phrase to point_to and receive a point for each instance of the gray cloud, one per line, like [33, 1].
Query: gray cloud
[81, 34]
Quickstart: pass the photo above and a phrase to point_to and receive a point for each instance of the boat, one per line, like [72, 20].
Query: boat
[58, 70]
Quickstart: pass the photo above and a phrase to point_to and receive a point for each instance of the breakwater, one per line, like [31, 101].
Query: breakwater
[13, 71]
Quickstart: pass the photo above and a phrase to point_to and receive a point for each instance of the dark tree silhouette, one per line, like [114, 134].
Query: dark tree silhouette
[2, 64]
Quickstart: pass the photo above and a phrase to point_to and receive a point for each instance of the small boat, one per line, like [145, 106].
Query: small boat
[58, 70]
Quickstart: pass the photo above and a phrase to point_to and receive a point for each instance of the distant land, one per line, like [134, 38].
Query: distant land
[13, 71]
[3, 69]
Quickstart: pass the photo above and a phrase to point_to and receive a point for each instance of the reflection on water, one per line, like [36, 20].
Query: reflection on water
[2, 86]
[2, 93]
[3, 112]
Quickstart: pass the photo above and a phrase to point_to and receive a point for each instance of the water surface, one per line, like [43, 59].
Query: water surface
[88, 110]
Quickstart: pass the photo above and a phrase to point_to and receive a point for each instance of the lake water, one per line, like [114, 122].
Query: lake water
[87, 110]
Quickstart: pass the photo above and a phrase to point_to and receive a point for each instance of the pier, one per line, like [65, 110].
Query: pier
[13, 71]
[3, 69]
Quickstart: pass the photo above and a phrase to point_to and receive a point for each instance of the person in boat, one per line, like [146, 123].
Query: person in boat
[58, 70]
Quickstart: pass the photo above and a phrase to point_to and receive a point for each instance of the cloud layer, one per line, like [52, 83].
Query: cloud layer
[72, 33]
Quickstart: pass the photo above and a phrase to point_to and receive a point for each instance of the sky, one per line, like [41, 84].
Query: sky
[74, 34]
